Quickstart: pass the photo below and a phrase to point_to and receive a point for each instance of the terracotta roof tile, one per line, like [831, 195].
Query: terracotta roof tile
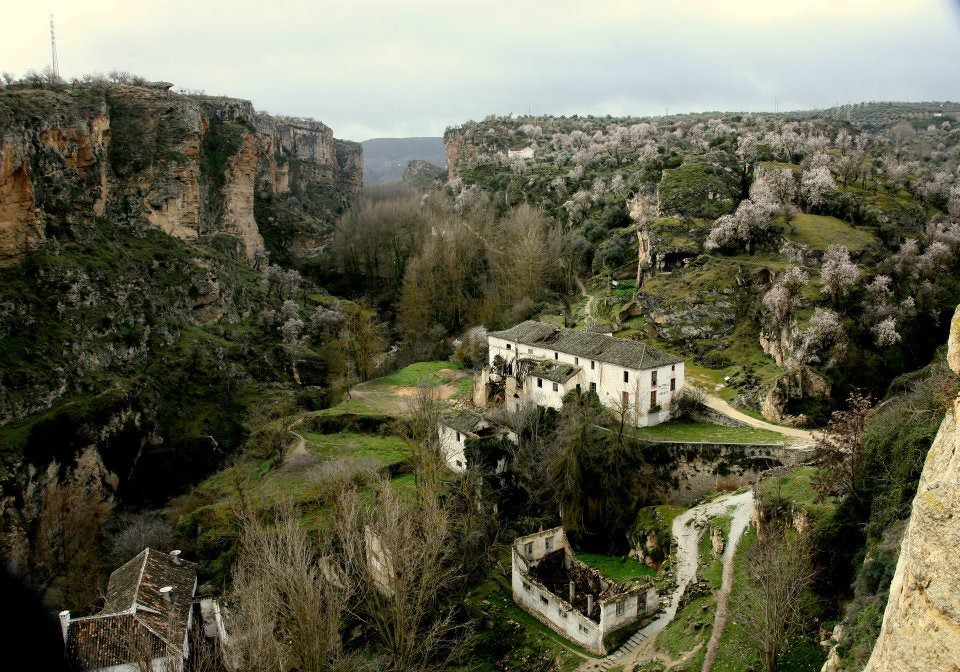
[136, 617]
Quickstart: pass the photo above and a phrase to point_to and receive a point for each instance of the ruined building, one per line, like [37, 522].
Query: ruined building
[570, 597]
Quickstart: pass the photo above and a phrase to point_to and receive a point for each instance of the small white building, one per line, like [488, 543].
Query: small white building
[145, 621]
[571, 598]
[523, 153]
[540, 363]
[457, 427]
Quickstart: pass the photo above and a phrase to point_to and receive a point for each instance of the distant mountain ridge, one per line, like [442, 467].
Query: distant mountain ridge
[384, 159]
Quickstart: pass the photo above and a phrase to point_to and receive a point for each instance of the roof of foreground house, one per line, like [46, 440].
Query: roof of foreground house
[136, 623]
[620, 351]
[464, 421]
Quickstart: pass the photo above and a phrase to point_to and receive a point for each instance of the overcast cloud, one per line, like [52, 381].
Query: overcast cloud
[371, 68]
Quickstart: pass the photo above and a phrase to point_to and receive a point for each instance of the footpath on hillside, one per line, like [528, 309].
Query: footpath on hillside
[717, 404]
[687, 528]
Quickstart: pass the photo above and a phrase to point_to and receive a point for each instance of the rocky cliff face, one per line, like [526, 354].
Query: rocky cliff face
[921, 624]
[458, 151]
[188, 165]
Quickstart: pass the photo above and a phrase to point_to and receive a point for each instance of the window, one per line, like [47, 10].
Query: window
[653, 377]
[626, 376]
[528, 549]
[576, 361]
[544, 600]
[621, 608]
[459, 438]
[555, 388]
[592, 365]
[578, 388]
[509, 347]
[459, 464]
[529, 351]
[593, 387]
[539, 382]
[673, 367]
[582, 627]
[548, 543]
[526, 586]
[626, 400]
[556, 355]
[653, 398]
[673, 384]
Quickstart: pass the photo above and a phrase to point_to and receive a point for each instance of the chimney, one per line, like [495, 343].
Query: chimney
[64, 623]
[589, 604]
[573, 591]
[176, 557]
[167, 592]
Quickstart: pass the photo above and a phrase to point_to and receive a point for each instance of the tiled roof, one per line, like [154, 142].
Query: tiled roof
[136, 618]
[620, 351]
[464, 421]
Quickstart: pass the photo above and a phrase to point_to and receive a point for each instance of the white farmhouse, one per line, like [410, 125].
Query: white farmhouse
[540, 363]
[145, 622]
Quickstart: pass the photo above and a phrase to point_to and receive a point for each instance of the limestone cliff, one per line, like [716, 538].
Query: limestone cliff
[191, 166]
[921, 624]
[458, 150]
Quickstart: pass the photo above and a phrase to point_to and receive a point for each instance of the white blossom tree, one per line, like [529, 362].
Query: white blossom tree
[838, 273]
[885, 332]
[816, 184]
[823, 341]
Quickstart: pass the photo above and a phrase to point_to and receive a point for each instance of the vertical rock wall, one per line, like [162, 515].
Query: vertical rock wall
[140, 155]
[921, 625]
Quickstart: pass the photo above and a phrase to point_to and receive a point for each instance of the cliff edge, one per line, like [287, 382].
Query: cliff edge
[921, 624]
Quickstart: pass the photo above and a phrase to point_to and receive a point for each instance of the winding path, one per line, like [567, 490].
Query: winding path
[687, 528]
[741, 519]
[720, 406]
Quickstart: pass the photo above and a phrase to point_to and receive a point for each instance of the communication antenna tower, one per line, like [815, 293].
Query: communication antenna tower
[53, 50]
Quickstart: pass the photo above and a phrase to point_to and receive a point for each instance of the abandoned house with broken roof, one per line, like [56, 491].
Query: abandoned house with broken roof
[540, 363]
[572, 598]
[461, 425]
[145, 621]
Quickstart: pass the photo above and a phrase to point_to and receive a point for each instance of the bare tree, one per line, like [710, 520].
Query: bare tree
[773, 606]
[839, 450]
[403, 559]
[289, 600]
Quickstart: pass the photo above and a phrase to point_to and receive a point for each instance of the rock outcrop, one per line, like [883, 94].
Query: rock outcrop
[921, 624]
[191, 166]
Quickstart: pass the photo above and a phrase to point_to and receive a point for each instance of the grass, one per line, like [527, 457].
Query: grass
[495, 599]
[797, 486]
[710, 568]
[685, 431]
[734, 653]
[819, 232]
[668, 512]
[381, 451]
[620, 569]
[691, 627]
[420, 374]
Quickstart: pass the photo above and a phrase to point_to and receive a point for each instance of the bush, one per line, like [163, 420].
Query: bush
[716, 359]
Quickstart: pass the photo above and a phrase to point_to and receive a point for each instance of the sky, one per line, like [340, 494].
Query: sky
[400, 68]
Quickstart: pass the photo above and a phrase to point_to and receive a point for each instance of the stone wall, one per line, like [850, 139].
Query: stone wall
[685, 472]
[617, 608]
